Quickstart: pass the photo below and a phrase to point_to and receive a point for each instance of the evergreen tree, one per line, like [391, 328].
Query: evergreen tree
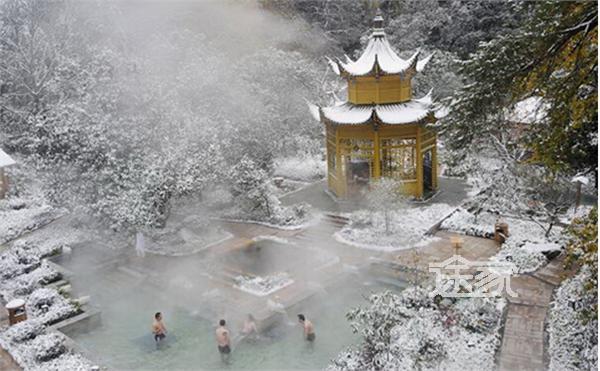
[553, 55]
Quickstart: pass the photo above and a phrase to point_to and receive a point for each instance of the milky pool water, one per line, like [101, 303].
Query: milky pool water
[124, 340]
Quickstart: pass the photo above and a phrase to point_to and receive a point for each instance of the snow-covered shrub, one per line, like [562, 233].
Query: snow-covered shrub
[416, 343]
[26, 255]
[462, 221]
[43, 246]
[305, 168]
[66, 361]
[400, 229]
[573, 337]
[255, 199]
[25, 330]
[25, 284]
[478, 315]
[411, 331]
[18, 260]
[21, 215]
[512, 251]
[10, 266]
[49, 306]
[48, 346]
[262, 286]
[416, 297]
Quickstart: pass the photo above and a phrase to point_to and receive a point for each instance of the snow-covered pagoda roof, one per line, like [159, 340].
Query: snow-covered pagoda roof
[378, 57]
[5, 159]
[391, 114]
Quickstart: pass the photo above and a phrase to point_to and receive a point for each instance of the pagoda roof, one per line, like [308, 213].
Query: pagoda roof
[379, 58]
[393, 114]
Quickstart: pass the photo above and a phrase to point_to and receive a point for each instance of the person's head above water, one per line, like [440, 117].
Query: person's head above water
[301, 318]
[222, 322]
[250, 317]
[157, 316]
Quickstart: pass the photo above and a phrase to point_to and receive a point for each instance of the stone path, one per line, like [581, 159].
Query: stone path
[523, 340]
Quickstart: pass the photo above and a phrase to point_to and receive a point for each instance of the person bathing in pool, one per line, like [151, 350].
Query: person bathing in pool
[158, 328]
[250, 330]
[309, 330]
[223, 341]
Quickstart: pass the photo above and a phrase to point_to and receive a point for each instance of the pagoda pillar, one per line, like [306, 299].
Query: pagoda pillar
[376, 153]
[434, 164]
[419, 190]
[340, 186]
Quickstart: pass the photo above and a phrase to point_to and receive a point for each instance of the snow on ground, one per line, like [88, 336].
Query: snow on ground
[305, 168]
[573, 337]
[527, 246]
[412, 331]
[462, 221]
[283, 186]
[24, 272]
[46, 351]
[366, 229]
[23, 214]
[263, 286]
[266, 209]
[581, 212]
[527, 257]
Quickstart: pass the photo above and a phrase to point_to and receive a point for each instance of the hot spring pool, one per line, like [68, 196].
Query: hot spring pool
[265, 257]
[124, 340]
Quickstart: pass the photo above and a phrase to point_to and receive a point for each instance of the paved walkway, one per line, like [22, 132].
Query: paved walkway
[523, 339]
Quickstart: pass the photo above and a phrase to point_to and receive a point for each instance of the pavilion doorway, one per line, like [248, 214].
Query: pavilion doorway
[428, 171]
[357, 160]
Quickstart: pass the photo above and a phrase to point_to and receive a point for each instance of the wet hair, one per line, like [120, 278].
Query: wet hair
[222, 322]
[156, 315]
[250, 317]
[301, 317]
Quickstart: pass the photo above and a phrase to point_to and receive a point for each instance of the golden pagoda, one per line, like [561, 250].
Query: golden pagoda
[380, 131]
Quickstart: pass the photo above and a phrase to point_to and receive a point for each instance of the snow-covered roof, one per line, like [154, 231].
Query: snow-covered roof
[5, 159]
[392, 114]
[442, 112]
[378, 56]
[528, 111]
[580, 179]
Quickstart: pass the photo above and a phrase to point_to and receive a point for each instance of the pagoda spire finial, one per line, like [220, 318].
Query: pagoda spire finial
[378, 30]
[378, 20]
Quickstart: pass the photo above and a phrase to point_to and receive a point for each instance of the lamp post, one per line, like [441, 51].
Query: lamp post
[578, 181]
[457, 243]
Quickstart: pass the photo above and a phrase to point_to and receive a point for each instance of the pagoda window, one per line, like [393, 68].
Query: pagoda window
[357, 159]
[398, 158]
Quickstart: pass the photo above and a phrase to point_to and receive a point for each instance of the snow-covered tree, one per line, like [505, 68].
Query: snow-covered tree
[551, 54]
[384, 197]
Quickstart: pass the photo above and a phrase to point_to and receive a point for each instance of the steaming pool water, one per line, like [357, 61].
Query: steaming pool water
[123, 341]
[192, 293]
